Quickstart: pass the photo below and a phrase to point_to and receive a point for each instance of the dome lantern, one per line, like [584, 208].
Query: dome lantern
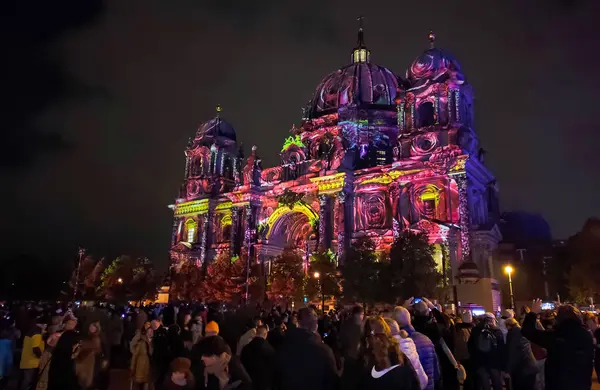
[360, 53]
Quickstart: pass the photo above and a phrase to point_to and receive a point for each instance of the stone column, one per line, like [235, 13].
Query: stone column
[207, 231]
[453, 258]
[233, 239]
[464, 220]
[340, 230]
[174, 231]
[324, 222]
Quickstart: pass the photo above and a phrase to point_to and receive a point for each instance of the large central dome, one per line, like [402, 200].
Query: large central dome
[361, 83]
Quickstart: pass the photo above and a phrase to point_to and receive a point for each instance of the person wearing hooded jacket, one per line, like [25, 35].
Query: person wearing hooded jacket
[425, 347]
[570, 348]
[408, 348]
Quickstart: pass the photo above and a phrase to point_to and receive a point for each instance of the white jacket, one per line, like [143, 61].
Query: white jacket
[408, 347]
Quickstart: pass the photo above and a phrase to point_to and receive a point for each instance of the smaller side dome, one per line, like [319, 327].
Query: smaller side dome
[216, 128]
[434, 64]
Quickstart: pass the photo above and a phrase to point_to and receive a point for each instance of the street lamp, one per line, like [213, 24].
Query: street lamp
[318, 277]
[120, 280]
[509, 270]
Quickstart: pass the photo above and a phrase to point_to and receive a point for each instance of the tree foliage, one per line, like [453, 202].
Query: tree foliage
[584, 257]
[87, 277]
[187, 284]
[363, 274]
[225, 279]
[412, 268]
[286, 280]
[129, 279]
[328, 282]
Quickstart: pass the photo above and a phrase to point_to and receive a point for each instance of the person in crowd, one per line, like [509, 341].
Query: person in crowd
[221, 368]
[276, 335]
[196, 327]
[570, 348]
[248, 335]
[520, 364]
[350, 337]
[61, 374]
[46, 359]
[506, 315]
[425, 347]
[486, 349]
[6, 357]
[389, 367]
[212, 329]
[175, 341]
[258, 358]
[303, 361]
[408, 348]
[141, 355]
[91, 364]
[180, 376]
[464, 326]
[33, 346]
[161, 355]
[115, 337]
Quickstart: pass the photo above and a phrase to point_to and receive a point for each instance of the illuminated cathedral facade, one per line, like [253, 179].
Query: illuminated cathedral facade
[374, 154]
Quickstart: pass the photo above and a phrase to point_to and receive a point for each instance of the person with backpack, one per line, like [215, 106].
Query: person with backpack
[486, 351]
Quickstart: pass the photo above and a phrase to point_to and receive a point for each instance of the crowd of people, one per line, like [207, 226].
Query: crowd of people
[415, 346]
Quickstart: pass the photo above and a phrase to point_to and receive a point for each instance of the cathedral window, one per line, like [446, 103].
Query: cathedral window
[430, 198]
[426, 114]
[190, 229]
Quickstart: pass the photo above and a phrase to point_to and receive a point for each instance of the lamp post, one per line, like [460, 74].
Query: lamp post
[509, 270]
[76, 287]
[318, 277]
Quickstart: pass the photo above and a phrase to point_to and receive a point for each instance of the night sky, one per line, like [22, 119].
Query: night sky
[99, 99]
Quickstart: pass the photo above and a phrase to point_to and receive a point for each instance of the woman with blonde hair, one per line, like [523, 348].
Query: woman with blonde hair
[389, 367]
[408, 347]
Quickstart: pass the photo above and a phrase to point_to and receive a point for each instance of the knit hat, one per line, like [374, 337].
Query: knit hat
[508, 313]
[181, 364]
[212, 327]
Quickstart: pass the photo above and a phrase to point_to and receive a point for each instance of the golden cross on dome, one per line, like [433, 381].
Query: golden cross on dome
[219, 109]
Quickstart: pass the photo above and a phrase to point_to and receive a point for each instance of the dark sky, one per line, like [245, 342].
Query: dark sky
[99, 99]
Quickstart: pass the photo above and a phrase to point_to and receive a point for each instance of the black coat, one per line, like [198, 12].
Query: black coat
[493, 359]
[276, 337]
[520, 360]
[401, 377]
[61, 374]
[304, 362]
[570, 353]
[258, 358]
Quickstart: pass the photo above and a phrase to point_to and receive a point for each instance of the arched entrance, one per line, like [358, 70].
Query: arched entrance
[291, 227]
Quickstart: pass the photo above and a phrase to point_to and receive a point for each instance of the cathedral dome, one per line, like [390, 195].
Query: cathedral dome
[216, 128]
[360, 83]
[434, 64]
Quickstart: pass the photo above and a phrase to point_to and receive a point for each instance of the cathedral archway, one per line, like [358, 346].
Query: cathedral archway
[291, 227]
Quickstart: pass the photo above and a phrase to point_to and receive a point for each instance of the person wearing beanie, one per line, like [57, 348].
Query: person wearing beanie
[212, 329]
[181, 377]
[407, 346]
